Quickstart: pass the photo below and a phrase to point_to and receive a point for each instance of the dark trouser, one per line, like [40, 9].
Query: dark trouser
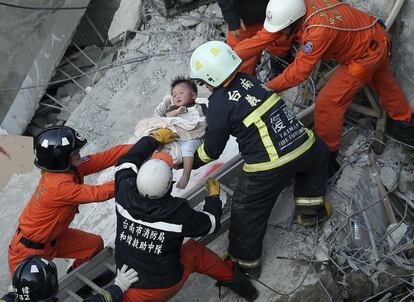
[257, 193]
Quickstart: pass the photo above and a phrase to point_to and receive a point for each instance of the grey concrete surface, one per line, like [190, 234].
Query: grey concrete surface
[32, 44]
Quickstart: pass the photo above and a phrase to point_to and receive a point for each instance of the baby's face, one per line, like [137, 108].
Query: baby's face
[183, 95]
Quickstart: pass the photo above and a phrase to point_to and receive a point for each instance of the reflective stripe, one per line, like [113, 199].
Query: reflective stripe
[244, 263]
[309, 201]
[106, 295]
[126, 166]
[203, 155]
[266, 140]
[255, 117]
[212, 220]
[284, 159]
[163, 226]
[262, 109]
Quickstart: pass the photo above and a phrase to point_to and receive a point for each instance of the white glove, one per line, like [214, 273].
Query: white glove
[124, 278]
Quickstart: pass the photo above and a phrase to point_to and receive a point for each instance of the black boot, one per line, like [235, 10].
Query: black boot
[253, 272]
[307, 218]
[401, 131]
[240, 285]
[249, 270]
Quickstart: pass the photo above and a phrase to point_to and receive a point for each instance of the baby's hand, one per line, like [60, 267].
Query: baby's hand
[181, 110]
[182, 183]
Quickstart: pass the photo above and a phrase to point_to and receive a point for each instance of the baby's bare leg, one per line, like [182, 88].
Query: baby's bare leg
[188, 162]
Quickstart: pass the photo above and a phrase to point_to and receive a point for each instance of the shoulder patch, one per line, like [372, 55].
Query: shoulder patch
[308, 47]
[85, 158]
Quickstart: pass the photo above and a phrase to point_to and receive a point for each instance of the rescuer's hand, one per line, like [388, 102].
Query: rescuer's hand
[124, 277]
[212, 187]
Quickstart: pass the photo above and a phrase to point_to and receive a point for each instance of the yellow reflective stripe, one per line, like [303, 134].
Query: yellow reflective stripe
[266, 140]
[262, 109]
[284, 159]
[106, 295]
[203, 155]
[255, 117]
[309, 201]
[244, 263]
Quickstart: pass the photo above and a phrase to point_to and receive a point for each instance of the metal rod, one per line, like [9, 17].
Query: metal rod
[371, 100]
[58, 102]
[74, 295]
[386, 201]
[82, 52]
[88, 282]
[405, 198]
[76, 67]
[50, 106]
[72, 79]
[94, 28]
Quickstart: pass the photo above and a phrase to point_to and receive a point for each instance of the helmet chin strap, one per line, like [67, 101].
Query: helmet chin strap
[230, 78]
[293, 28]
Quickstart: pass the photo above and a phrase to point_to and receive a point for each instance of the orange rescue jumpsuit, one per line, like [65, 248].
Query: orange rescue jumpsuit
[52, 207]
[249, 64]
[362, 56]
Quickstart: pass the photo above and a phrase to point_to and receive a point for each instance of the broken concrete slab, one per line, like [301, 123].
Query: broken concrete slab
[56, 33]
[127, 18]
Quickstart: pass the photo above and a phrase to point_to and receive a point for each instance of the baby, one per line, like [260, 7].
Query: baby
[182, 103]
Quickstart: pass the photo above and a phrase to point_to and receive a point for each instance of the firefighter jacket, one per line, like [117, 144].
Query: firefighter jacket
[268, 133]
[251, 12]
[324, 33]
[55, 201]
[150, 232]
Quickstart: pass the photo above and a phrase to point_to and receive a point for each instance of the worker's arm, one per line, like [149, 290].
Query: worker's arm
[208, 221]
[217, 132]
[71, 193]
[100, 161]
[230, 13]
[202, 223]
[317, 41]
[129, 164]
[215, 141]
[255, 45]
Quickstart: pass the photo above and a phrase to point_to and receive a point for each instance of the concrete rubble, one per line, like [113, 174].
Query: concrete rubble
[126, 18]
[357, 255]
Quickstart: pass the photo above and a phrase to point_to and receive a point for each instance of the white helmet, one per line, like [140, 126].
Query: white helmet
[213, 62]
[281, 13]
[154, 179]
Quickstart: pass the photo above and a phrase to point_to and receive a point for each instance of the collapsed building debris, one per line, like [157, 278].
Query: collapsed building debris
[362, 253]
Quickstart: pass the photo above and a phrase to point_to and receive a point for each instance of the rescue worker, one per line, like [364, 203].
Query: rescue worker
[151, 226]
[274, 144]
[43, 227]
[244, 19]
[330, 29]
[36, 279]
